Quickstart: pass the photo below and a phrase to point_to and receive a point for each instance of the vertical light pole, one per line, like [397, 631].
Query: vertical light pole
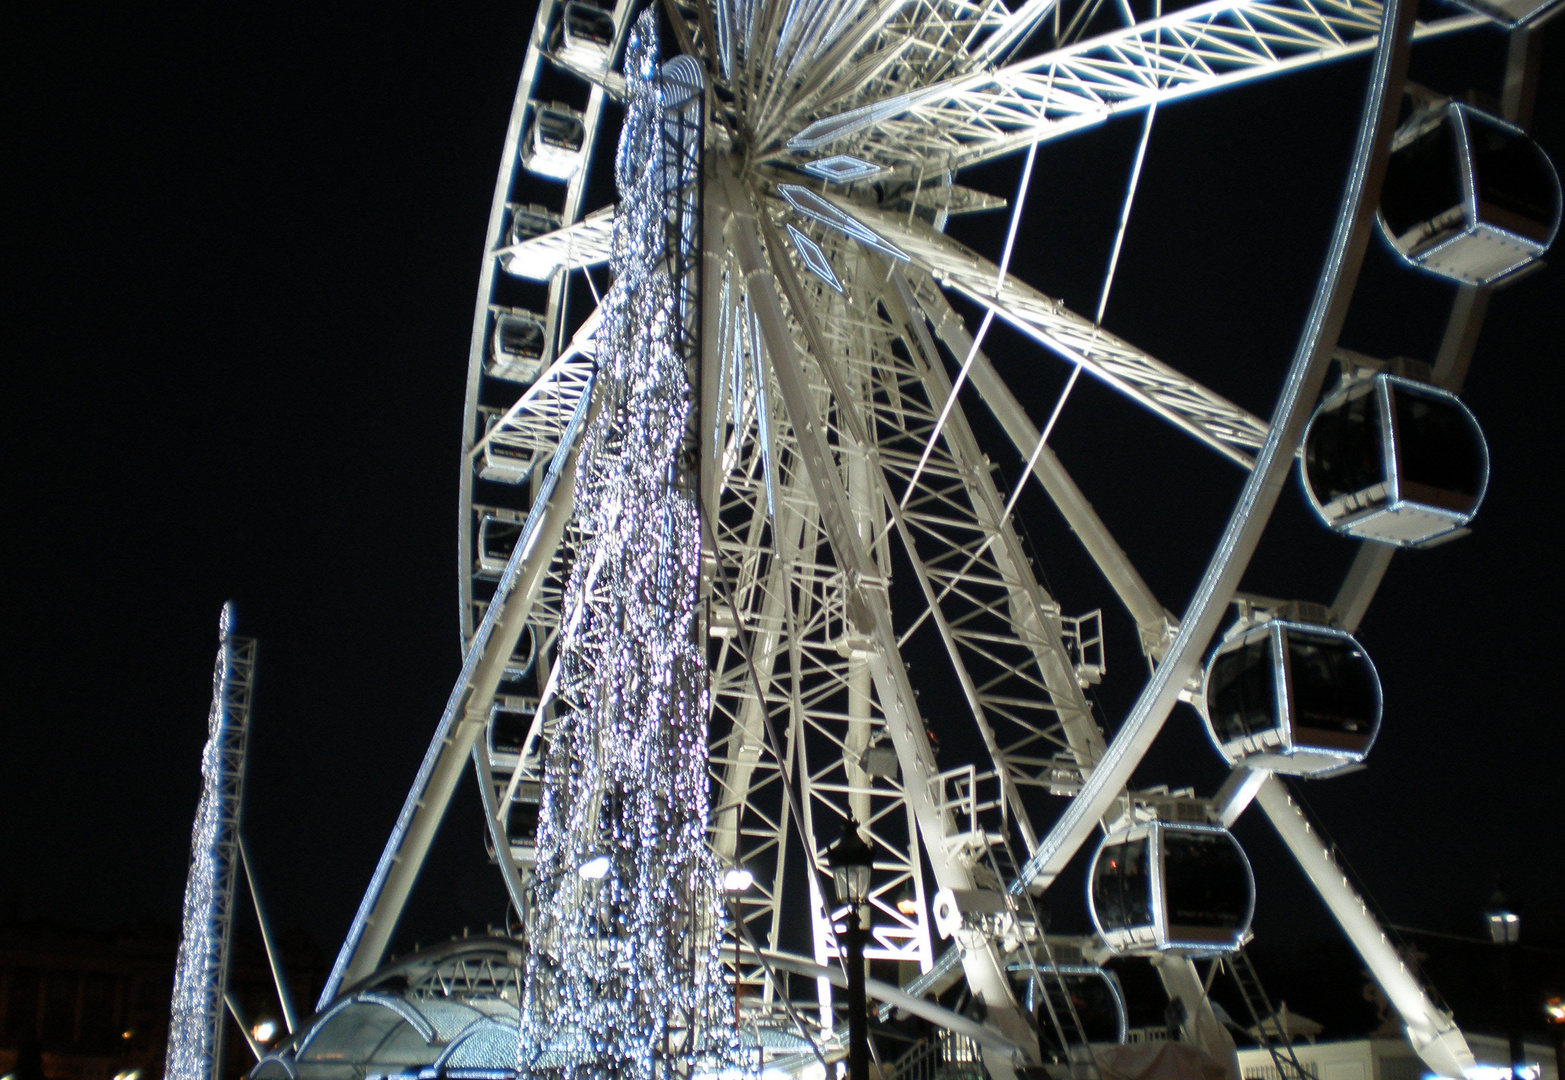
[736, 882]
[851, 861]
[1554, 1013]
[1504, 929]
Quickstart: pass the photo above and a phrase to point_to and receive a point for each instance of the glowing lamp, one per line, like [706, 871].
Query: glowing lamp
[594, 869]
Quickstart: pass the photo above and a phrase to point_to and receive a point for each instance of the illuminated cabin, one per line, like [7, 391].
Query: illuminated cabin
[509, 721]
[516, 345]
[586, 36]
[1292, 698]
[1468, 196]
[555, 140]
[1163, 886]
[1394, 460]
[505, 463]
[1094, 996]
[498, 532]
[530, 221]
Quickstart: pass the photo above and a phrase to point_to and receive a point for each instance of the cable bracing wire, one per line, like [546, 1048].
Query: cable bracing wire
[983, 328]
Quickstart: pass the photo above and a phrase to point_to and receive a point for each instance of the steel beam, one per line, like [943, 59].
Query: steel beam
[868, 609]
[466, 713]
[1154, 622]
[1430, 1030]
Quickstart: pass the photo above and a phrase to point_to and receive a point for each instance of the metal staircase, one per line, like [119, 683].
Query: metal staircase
[1047, 984]
[1270, 1032]
[943, 1056]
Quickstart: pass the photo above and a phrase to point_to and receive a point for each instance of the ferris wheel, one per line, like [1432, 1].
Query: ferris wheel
[850, 519]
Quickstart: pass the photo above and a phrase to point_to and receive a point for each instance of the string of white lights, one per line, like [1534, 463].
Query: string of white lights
[623, 973]
[195, 1033]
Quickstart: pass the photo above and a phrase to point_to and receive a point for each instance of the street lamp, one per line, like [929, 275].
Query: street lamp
[851, 861]
[1554, 1013]
[1505, 927]
[736, 882]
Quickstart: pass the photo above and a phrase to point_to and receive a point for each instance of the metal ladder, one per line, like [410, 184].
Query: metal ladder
[943, 1056]
[1055, 992]
[1272, 1035]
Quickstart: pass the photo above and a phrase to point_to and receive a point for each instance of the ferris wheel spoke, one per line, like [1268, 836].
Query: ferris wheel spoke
[975, 118]
[997, 565]
[1211, 418]
[1013, 31]
[574, 247]
[866, 606]
[925, 40]
[1154, 623]
[1003, 634]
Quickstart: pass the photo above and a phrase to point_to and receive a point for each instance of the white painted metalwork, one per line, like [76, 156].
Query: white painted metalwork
[848, 517]
[980, 116]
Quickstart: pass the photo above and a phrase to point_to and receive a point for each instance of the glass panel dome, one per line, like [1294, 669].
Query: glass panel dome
[1292, 698]
[1394, 460]
[1165, 886]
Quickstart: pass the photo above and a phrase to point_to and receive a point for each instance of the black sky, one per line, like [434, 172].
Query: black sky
[241, 252]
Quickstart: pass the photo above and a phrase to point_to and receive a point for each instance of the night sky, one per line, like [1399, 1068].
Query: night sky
[241, 256]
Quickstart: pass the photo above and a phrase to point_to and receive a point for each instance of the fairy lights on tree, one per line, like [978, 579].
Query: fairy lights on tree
[623, 974]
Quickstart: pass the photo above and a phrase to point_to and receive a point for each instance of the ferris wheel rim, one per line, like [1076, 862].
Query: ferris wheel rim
[476, 364]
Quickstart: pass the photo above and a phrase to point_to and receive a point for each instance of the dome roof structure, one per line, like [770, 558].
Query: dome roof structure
[450, 1010]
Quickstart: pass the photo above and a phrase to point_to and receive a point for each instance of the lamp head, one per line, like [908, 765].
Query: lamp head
[1504, 924]
[851, 861]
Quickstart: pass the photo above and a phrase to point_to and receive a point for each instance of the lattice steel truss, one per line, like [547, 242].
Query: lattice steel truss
[835, 513]
[195, 1034]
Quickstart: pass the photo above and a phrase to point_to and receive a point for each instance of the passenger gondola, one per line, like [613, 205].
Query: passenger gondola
[1511, 13]
[1394, 460]
[555, 141]
[530, 221]
[498, 532]
[1072, 992]
[503, 463]
[1164, 886]
[509, 722]
[516, 346]
[1468, 196]
[1292, 698]
[586, 37]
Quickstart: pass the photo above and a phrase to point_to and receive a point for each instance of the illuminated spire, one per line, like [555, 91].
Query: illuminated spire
[623, 977]
[195, 1031]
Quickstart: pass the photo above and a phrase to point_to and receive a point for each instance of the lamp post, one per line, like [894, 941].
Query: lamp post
[736, 882]
[1554, 1013]
[1504, 929]
[851, 861]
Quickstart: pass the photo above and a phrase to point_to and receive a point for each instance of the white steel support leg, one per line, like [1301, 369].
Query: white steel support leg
[869, 610]
[1202, 1028]
[464, 720]
[1431, 1031]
